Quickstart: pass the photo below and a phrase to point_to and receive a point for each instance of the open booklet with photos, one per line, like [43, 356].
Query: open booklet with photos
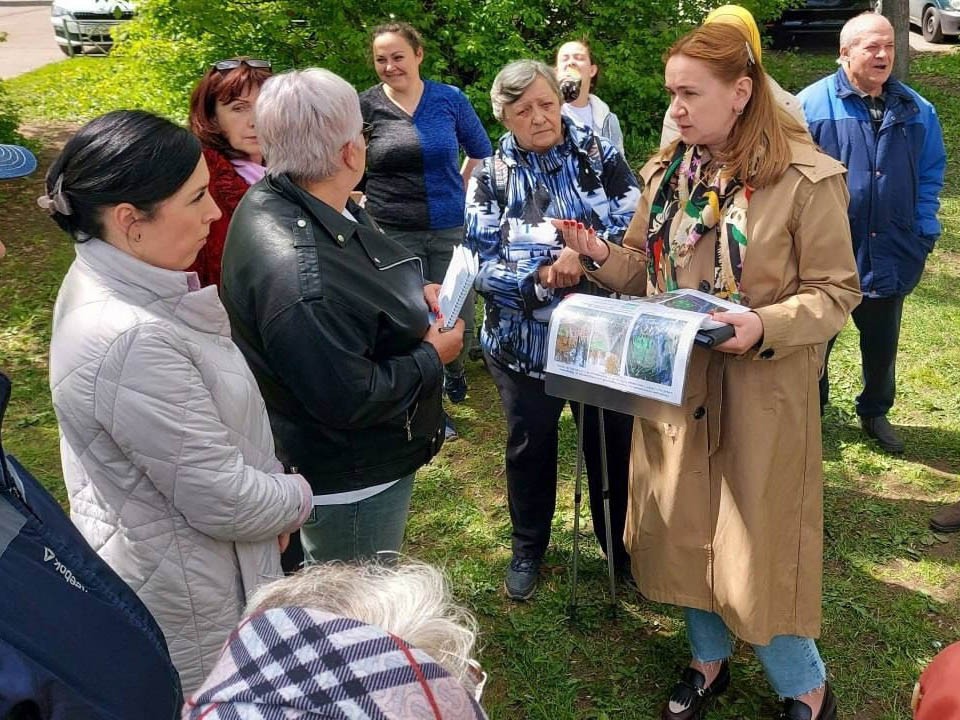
[640, 346]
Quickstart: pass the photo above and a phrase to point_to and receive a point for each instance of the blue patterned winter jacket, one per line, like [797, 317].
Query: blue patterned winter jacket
[585, 178]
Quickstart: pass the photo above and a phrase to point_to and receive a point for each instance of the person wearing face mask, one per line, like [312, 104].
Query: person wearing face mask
[221, 116]
[414, 183]
[166, 448]
[726, 490]
[890, 139]
[578, 74]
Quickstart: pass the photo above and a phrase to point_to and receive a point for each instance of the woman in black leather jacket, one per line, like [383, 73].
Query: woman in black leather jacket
[332, 316]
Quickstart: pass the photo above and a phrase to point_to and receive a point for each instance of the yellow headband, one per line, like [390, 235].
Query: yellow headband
[742, 19]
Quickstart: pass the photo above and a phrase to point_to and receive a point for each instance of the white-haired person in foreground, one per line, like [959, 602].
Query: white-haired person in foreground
[351, 642]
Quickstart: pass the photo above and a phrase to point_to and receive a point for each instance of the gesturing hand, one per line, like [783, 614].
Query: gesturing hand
[582, 240]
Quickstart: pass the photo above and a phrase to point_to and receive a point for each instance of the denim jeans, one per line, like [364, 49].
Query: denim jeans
[358, 531]
[435, 250]
[793, 664]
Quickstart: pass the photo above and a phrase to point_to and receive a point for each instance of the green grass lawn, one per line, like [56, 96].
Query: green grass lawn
[891, 588]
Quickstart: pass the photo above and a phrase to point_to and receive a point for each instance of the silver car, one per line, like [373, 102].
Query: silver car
[81, 24]
[936, 18]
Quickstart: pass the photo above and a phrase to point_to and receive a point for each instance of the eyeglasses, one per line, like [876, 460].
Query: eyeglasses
[367, 132]
[226, 65]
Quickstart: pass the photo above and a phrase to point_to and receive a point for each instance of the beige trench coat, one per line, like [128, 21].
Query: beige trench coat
[726, 493]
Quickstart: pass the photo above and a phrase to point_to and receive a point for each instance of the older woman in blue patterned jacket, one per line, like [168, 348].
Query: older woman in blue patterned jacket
[545, 170]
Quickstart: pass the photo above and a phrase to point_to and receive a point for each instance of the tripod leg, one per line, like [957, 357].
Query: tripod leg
[577, 496]
[605, 487]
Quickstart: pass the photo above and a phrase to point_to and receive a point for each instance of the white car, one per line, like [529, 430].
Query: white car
[78, 24]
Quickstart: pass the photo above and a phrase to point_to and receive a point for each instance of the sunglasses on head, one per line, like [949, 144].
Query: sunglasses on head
[225, 65]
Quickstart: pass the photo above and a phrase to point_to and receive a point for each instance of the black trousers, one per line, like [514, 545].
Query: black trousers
[878, 320]
[531, 462]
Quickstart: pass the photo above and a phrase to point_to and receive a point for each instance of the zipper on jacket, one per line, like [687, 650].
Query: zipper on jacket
[409, 421]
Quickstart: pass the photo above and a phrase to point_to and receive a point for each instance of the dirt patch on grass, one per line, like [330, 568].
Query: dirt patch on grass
[20, 209]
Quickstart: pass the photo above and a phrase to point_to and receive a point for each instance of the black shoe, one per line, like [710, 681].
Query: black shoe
[880, 429]
[946, 519]
[521, 578]
[455, 386]
[794, 709]
[692, 696]
[624, 577]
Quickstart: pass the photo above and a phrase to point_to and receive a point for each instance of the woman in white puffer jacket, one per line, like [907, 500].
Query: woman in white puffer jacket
[165, 443]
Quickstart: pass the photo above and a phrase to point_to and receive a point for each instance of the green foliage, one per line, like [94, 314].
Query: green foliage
[9, 118]
[173, 41]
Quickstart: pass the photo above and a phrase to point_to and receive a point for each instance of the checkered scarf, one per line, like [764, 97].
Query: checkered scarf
[300, 664]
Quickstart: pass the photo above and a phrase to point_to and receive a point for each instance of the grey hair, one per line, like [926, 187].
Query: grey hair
[854, 27]
[303, 118]
[511, 82]
[412, 600]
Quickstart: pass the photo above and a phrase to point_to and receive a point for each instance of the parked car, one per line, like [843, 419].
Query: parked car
[78, 24]
[821, 19]
[936, 18]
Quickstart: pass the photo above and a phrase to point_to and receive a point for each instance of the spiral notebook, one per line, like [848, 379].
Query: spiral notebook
[457, 284]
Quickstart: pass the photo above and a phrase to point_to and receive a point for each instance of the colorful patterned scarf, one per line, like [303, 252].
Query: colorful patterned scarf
[693, 199]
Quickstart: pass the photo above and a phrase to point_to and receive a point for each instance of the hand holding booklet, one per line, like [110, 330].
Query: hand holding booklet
[457, 284]
[641, 346]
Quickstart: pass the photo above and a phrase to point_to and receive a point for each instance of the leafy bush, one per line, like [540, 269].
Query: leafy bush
[172, 42]
[9, 118]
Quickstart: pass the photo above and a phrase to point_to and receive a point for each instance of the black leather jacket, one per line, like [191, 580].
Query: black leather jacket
[330, 315]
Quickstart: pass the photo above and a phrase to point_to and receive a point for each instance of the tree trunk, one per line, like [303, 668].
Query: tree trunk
[896, 11]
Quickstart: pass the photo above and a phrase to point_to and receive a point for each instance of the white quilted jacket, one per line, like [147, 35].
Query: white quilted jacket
[166, 447]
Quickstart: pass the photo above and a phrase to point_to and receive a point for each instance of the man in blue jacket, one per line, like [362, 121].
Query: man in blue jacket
[889, 138]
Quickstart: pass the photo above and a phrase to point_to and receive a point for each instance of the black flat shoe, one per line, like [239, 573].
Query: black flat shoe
[794, 709]
[692, 696]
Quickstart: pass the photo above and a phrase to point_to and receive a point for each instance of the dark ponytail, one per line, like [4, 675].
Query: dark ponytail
[127, 156]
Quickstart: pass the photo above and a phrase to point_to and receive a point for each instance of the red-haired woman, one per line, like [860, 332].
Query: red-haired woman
[221, 116]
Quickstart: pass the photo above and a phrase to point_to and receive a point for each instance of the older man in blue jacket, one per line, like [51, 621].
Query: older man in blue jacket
[889, 138]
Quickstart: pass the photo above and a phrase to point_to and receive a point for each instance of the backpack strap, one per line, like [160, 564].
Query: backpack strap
[499, 173]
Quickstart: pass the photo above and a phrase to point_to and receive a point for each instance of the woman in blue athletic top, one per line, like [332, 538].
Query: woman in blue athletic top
[414, 185]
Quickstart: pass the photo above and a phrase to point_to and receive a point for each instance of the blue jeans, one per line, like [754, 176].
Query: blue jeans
[358, 531]
[793, 664]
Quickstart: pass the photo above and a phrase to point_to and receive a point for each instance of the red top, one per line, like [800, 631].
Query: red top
[226, 188]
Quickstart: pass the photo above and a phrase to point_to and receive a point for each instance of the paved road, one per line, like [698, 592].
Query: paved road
[30, 42]
[918, 44]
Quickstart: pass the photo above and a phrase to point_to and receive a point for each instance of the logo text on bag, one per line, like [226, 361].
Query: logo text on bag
[50, 556]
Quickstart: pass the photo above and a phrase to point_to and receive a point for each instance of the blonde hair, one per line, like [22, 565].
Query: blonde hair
[757, 150]
[411, 600]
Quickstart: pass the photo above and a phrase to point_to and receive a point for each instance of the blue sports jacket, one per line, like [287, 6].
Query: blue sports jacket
[894, 176]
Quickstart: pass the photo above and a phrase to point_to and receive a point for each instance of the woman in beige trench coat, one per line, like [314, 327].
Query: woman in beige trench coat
[726, 516]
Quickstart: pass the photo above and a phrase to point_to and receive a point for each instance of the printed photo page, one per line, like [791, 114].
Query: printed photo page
[640, 346]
